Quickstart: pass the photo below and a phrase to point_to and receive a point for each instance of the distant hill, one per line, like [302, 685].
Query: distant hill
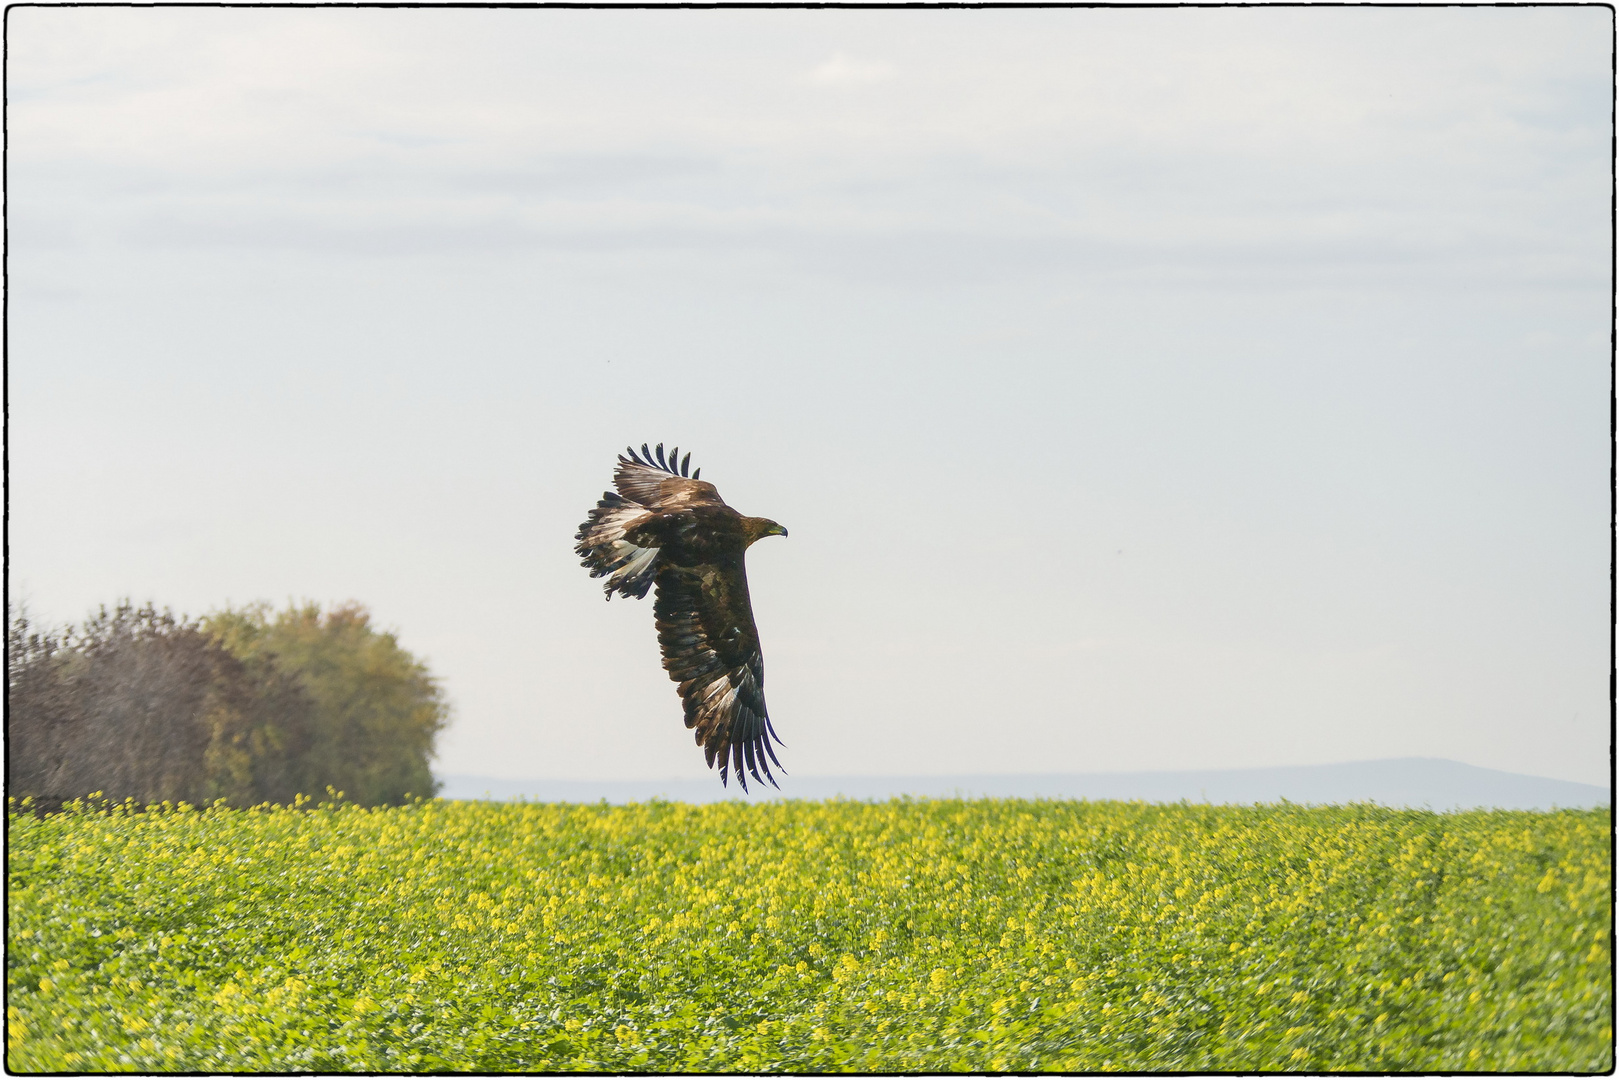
[1432, 783]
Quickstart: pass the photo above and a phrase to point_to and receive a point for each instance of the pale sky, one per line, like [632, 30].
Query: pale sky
[1141, 388]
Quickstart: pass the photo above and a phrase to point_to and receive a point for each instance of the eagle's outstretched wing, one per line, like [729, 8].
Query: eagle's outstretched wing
[646, 491]
[711, 648]
[663, 485]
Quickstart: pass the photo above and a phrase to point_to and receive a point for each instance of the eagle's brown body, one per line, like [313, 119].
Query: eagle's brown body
[672, 531]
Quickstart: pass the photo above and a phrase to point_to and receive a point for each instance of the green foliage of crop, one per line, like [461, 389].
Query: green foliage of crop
[905, 936]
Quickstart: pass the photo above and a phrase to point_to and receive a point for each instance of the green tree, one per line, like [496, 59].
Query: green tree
[377, 711]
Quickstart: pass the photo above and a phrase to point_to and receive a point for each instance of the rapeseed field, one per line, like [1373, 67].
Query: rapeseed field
[927, 935]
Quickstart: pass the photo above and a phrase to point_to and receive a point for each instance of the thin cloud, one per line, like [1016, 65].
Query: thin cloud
[843, 69]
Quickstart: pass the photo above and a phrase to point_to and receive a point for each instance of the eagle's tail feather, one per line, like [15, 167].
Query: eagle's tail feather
[629, 569]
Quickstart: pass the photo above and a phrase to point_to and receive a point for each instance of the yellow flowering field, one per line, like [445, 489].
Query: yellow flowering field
[914, 935]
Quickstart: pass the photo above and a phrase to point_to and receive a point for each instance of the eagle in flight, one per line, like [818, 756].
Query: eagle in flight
[666, 528]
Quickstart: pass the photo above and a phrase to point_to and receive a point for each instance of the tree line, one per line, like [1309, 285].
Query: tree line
[248, 705]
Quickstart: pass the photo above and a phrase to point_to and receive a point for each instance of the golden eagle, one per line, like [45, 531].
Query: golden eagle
[666, 527]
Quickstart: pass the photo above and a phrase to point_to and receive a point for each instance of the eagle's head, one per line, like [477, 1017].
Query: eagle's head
[757, 528]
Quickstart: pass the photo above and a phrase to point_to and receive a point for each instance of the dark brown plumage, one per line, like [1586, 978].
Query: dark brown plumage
[667, 528]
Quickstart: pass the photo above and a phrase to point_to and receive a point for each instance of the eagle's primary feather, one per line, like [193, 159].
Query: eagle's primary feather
[667, 528]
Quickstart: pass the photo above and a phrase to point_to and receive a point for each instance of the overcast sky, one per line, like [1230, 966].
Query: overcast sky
[1142, 389]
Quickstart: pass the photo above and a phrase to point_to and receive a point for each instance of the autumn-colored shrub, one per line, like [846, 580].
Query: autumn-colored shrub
[245, 705]
[138, 703]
